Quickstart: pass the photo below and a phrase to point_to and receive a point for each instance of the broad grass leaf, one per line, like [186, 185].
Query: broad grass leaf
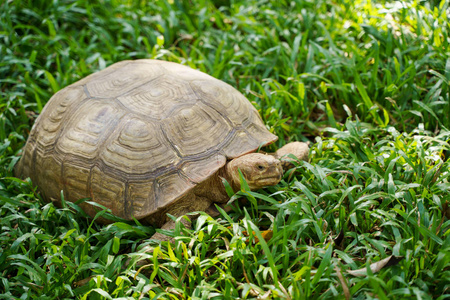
[325, 263]
[20, 240]
[35, 270]
[375, 267]
[53, 83]
[429, 110]
[251, 227]
[101, 292]
[116, 245]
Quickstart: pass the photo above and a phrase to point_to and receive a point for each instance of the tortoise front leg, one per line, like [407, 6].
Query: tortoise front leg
[188, 204]
[298, 149]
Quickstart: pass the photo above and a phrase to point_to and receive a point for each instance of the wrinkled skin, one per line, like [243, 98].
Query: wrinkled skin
[259, 170]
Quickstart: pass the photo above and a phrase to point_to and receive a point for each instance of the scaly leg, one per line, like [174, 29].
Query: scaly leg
[298, 149]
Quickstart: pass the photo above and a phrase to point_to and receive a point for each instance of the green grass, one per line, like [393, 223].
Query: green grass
[367, 82]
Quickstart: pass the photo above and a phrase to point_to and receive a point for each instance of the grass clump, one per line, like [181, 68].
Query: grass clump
[367, 82]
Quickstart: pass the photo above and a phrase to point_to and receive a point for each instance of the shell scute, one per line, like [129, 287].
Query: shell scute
[171, 186]
[108, 191]
[114, 83]
[195, 129]
[55, 111]
[224, 99]
[49, 179]
[139, 148]
[158, 98]
[88, 127]
[76, 179]
[142, 196]
[197, 171]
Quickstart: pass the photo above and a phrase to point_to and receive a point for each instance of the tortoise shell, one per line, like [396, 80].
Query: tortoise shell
[137, 136]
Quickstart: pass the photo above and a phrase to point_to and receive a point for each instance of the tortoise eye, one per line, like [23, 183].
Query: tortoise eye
[261, 167]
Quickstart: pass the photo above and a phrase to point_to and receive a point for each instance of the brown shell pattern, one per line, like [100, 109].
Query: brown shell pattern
[138, 135]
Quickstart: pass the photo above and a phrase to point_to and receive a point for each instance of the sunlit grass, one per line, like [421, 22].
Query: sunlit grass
[366, 82]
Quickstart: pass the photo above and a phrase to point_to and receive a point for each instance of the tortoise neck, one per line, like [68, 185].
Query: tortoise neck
[213, 188]
[229, 172]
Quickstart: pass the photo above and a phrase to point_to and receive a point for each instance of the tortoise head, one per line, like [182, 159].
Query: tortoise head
[259, 170]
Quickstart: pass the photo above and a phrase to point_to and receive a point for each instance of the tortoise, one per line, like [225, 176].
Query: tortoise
[147, 138]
